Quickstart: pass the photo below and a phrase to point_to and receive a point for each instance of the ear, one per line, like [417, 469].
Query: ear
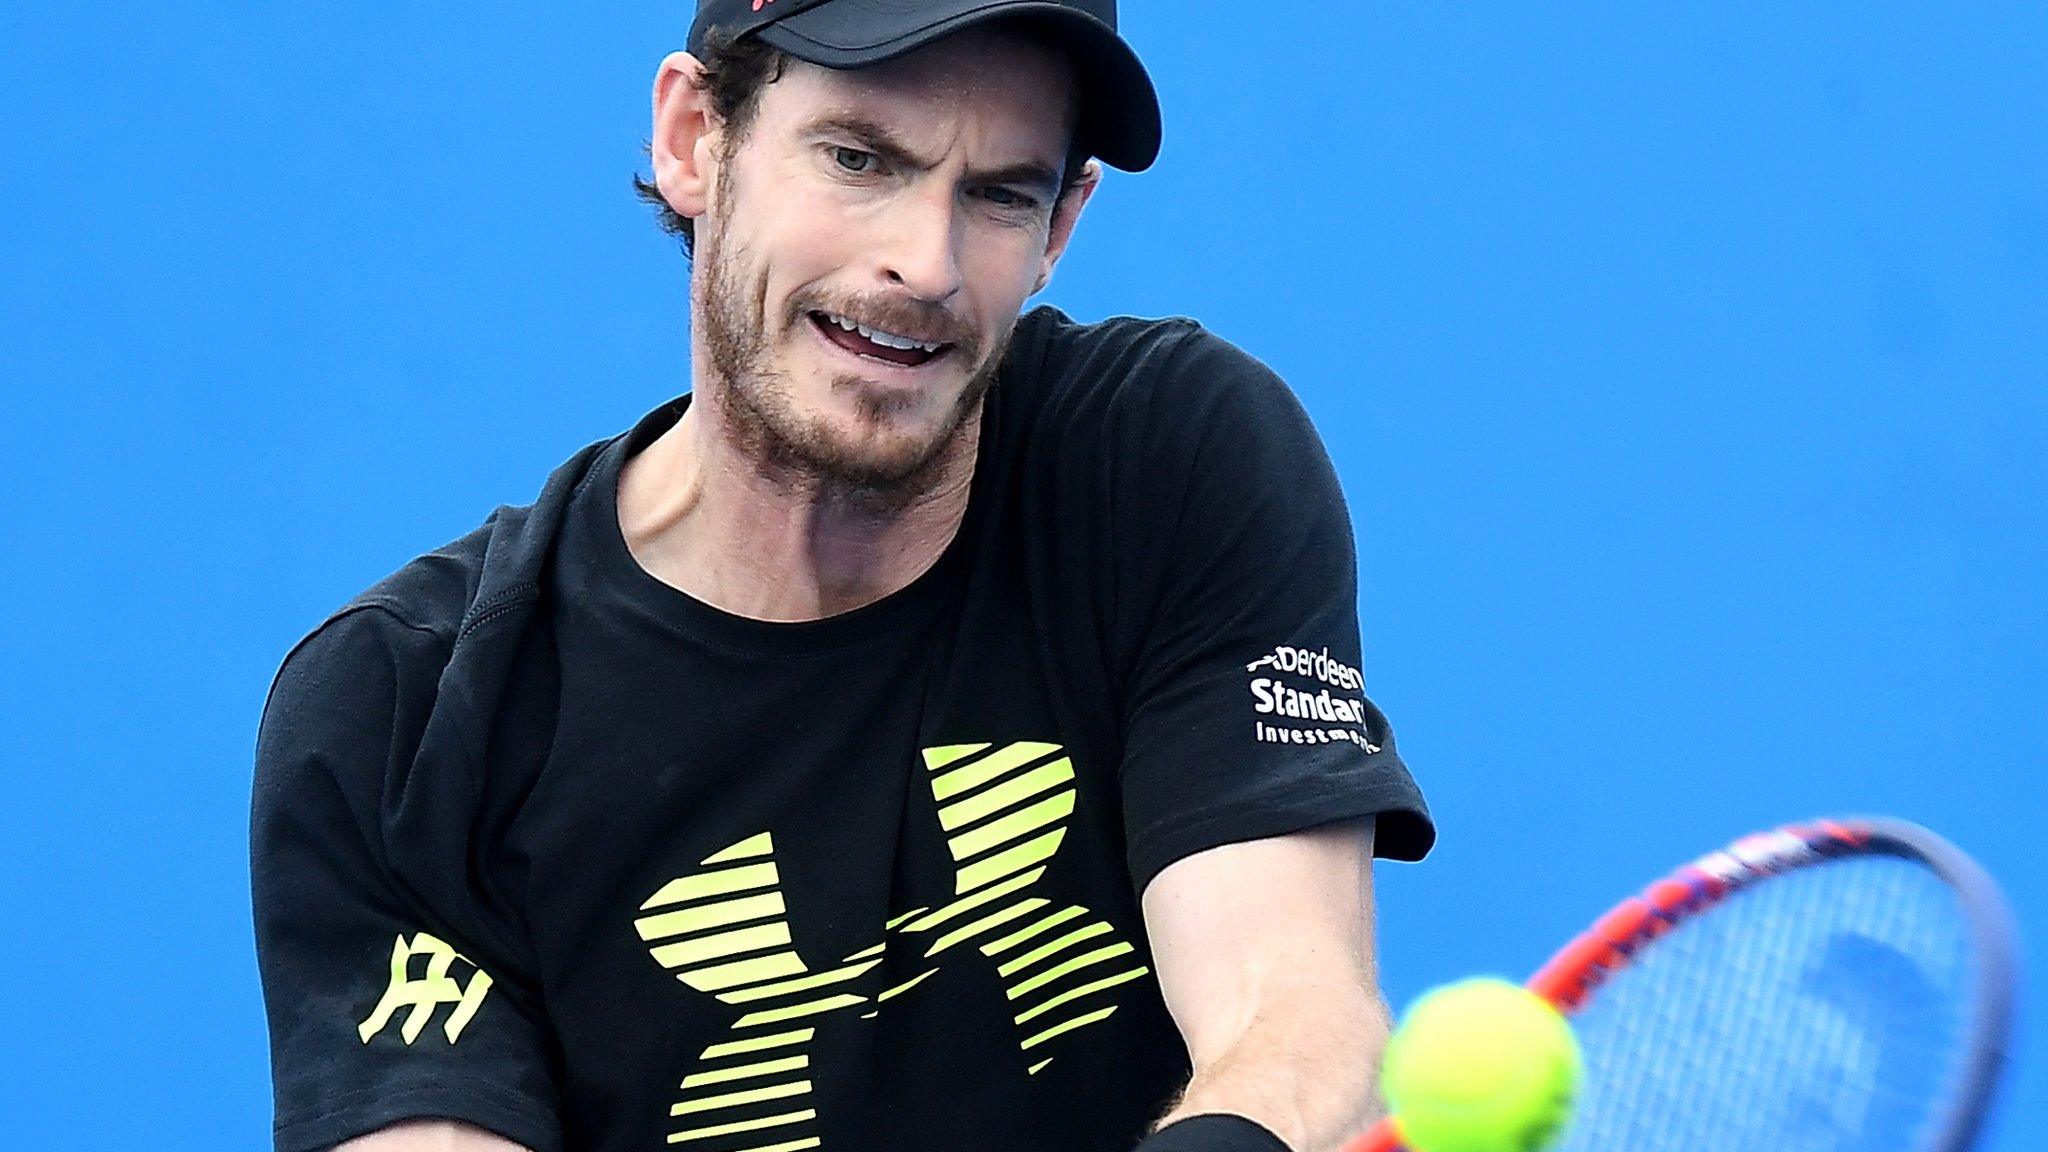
[684, 147]
[1066, 212]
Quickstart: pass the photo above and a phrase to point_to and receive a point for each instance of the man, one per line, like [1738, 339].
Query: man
[940, 729]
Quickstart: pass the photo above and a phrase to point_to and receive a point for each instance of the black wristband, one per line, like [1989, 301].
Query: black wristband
[1213, 1132]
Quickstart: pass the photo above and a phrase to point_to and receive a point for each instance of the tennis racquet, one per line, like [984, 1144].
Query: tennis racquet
[1843, 985]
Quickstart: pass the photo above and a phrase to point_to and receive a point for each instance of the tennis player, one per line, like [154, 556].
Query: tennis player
[941, 729]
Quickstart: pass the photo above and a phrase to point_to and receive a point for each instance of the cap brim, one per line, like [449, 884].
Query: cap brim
[1119, 114]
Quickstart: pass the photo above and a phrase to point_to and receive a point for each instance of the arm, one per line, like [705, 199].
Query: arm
[430, 1136]
[1264, 952]
[343, 943]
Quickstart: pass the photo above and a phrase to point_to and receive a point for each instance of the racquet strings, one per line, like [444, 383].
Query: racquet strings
[1825, 1008]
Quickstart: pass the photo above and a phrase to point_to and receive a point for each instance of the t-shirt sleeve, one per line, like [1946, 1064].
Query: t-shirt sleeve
[1246, 711]
[386, 1001]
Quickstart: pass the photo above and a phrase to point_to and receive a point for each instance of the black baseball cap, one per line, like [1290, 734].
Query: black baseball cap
[1119, 117]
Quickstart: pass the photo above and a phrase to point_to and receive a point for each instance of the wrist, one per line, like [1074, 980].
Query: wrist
[1213, 1132]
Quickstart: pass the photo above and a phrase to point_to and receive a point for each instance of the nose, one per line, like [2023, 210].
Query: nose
[921, 252]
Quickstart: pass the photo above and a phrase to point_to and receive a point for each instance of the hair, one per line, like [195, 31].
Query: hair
[735, 72]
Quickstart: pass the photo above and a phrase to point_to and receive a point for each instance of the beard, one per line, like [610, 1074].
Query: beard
[888, 455]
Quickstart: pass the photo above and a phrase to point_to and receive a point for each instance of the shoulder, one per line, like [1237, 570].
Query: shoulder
[421, 605]
[432, 592]
[449, 592]
[1169, 377]
[346, 695]
[1167, 397]
[1124, 353]
[378, 657]
[1050, 345]
[388, 647]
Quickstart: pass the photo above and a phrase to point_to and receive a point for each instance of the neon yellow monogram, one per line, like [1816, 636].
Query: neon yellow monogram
[723, 930]
[426, 993]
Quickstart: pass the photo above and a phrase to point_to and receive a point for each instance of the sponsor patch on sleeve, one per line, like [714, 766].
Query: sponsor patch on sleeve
[1307, 696]
[423, 981]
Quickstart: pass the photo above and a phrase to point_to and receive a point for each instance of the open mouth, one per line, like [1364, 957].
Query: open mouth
[875, 343]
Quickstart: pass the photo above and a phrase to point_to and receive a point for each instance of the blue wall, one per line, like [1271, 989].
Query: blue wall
[1685, 371]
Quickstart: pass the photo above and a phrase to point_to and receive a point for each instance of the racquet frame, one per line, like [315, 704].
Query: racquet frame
[1576, 971]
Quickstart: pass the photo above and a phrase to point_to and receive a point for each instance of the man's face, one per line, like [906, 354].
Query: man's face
[871, 241]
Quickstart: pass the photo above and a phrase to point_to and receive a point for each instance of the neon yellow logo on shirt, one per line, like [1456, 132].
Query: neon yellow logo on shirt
[424, 993]
[723, 930]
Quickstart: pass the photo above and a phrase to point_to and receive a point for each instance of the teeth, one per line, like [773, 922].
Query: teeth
[885, 339]
[888, 339]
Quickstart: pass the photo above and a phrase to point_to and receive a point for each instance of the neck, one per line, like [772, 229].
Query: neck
[759, 538]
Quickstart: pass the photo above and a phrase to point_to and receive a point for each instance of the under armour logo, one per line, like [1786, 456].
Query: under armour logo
[724, 931]
[428, 991]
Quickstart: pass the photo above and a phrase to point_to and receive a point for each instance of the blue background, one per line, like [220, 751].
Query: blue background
[1685, 371]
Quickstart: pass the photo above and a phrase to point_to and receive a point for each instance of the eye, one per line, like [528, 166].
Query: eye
[1008, 198]
[855, 160]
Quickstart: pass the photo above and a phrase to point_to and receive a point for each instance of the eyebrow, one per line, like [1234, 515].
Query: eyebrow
[877, 138]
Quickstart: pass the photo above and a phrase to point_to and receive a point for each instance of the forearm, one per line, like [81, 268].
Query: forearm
[1305, 1067]
[1266, 959]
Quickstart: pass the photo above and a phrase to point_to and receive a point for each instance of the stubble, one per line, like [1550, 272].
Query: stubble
[882, 469]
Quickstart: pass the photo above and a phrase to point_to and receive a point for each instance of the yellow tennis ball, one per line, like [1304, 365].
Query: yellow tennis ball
[1481, 1066]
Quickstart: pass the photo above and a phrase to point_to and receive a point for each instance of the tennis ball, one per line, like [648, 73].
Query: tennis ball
[1481, 1066]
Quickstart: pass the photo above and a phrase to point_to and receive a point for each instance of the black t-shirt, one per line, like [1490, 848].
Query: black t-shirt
[676, 878]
